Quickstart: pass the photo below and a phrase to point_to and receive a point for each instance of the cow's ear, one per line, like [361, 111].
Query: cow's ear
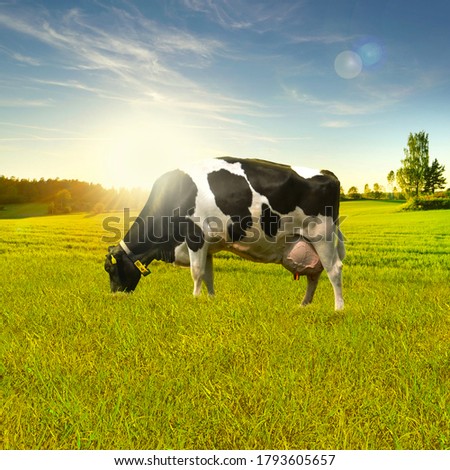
[113, 255]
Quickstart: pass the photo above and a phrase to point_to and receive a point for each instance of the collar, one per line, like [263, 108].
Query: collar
[142, 268]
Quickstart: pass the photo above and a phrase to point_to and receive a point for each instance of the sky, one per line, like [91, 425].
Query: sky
[119, 91]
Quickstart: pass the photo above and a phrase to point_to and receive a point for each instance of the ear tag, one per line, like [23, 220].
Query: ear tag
[142, 268]
[113, 260]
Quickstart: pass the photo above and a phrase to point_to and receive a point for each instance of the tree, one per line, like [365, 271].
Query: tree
[391, 179]
[396, 194]
[411, 176]
[98, 208]
[353, 193]
[434, 177]
[377, 191]
[63, 200]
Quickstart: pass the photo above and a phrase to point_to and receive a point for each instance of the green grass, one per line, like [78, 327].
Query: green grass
[18, 211]
[84, 369]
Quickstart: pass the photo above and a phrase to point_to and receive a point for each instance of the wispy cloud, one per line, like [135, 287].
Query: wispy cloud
[52, 130]
[21, 58]
[364, 100]
[336, 124]
[25, 103]
[38, 138]
[128, 57]
[15, 132]
[26, 59]
[74, 84]
[241, 14]
[325, 39]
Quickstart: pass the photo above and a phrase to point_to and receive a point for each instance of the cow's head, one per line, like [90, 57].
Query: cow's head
[123, 274]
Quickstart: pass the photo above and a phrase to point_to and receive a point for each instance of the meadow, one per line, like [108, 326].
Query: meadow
[84, 369]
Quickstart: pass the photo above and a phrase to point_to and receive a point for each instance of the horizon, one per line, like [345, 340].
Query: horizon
[384, 188]
[119, 92]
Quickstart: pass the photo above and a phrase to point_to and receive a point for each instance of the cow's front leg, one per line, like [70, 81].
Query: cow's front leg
[209, 275]
[199, 271]
[313, 280]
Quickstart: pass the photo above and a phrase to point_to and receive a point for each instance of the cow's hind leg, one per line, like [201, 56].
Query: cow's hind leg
[201, 270]
[332, 263]
[335, 276]
[313, 280]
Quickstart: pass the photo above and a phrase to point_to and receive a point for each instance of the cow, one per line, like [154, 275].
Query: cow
[259, 210]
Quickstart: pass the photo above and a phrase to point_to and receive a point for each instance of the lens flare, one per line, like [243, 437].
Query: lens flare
[370, 53]
[348, 64]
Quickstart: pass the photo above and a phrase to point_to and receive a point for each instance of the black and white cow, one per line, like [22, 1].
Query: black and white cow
[259, 210]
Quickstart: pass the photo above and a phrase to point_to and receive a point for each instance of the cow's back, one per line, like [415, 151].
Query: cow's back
[288, 188]
[241, 200]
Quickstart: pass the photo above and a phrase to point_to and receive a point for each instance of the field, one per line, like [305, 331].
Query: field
[251, 369]
[18, 211]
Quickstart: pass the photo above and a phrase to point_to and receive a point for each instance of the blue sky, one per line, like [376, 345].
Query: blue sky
[118, 92]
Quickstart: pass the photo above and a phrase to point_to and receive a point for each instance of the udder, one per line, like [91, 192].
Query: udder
[301, 259]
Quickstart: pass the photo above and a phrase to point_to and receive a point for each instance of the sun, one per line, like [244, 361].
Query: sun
[136, 152]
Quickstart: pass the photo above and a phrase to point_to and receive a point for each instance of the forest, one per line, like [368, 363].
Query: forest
[65, 196]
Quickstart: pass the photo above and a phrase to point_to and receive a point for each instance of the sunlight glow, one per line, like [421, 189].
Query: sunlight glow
[136, 152]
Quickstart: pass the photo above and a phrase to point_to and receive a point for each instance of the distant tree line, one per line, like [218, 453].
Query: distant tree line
[418, 181]
[65, 196]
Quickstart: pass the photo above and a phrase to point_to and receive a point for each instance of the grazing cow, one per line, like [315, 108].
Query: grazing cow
[259, 210]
